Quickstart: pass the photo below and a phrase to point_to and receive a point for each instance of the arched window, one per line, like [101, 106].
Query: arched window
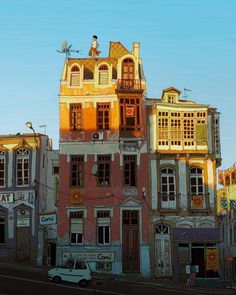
[22, 167]
[103, 75]
[162, 229]
[168, 188]
[75, 76]
[197, 188]
[2, 168]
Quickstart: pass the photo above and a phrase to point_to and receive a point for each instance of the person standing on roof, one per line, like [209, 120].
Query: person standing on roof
[94, 47]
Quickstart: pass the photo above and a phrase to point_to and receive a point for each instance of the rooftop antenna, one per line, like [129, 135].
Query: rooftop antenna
[185, 96]
[43, 126]
[67, 49]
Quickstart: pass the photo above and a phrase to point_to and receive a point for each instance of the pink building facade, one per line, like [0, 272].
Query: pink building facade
[103, 208]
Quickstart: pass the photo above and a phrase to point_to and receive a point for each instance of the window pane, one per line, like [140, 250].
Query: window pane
[107, 239]
[73, 238]
[100, 235]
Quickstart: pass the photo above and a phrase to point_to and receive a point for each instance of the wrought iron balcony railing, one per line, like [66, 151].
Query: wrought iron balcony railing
[130, 85]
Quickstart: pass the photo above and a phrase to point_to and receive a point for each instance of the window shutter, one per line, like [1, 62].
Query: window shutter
[103, 77]
[76, 225]
[75, 79]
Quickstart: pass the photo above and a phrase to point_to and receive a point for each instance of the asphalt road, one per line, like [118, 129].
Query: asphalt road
[18, 282]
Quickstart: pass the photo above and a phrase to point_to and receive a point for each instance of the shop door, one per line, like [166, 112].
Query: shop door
[51, 254]
[130, 237]
[163, 251]
[23, 243]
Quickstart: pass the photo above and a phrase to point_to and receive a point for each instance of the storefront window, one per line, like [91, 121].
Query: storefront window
[196, 253]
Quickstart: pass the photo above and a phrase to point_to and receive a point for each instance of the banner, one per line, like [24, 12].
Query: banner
[129, 111]
[232, 204]
[220, 177]
[197, 202]
[76, 196]
[233, 175]
[212, 259]
[226, 177]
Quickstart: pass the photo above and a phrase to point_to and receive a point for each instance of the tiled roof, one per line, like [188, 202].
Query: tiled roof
[117, 50]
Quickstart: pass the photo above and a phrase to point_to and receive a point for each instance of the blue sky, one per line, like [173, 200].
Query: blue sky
[184, 43]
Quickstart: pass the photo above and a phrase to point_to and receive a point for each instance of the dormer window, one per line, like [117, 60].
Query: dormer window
[103, 75]
[171, 99]
[75, 76]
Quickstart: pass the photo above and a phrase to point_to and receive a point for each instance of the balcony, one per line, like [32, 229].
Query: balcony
[168, 202]
[129, 85]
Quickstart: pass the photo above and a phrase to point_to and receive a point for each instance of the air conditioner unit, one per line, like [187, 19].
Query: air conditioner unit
[97, 136]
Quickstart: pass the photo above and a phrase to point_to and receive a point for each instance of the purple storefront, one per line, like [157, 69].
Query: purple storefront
[190, 245]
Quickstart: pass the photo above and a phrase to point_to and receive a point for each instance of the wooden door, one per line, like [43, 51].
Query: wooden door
[23, 243]
[131, 242]
[128, 73]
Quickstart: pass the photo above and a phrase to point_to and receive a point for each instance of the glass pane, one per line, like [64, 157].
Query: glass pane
[100, 235]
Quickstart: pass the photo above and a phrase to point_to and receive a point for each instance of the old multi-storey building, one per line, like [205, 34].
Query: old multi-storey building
[103, 213]
[226, 210]
[22, 180]
[184, 154]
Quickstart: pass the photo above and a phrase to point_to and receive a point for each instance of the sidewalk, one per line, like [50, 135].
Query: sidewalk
[131, 279]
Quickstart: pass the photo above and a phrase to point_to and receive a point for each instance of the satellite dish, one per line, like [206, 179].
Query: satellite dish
[67, 49]
[95, 169]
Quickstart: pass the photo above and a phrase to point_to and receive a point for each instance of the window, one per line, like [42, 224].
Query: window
[197, 188]
[168, 190]
[2, 228]
[103, 75]
[129, 170]
[103, 227]
[75, 76]
[130, 217]
[130, 113]
[77, 171]
[55, 170]
[22, 167]
[76, 227]
[103, 116]
[171, 98]
[2, 168]
[104, 167]
[76, 118]
[189, 131]
[217, 136]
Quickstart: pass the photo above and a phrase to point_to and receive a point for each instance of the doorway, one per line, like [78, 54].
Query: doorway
[163, 263]
[130, 238]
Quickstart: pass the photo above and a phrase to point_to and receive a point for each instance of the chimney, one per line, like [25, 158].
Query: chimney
[136, 47]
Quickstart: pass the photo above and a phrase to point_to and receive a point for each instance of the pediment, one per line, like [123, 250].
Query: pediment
[131, 202]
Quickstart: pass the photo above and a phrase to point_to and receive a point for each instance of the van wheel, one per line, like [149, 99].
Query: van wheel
[83, 283]
[56, 279]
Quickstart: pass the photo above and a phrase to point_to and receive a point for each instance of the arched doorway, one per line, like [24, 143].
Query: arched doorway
[163, 261]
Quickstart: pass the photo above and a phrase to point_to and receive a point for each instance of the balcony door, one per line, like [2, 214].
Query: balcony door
[128, 73]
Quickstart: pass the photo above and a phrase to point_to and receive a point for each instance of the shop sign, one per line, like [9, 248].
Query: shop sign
[196, 234]
[130, 192]
[91, 256]
[23, 221]
[6, 198]
[46, 219]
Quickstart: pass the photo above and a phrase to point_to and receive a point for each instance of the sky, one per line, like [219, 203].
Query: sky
[184, 43]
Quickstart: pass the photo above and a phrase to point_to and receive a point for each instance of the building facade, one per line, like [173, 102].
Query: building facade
[184, 154]
[226, 210]
[22, 169]
[103, 212]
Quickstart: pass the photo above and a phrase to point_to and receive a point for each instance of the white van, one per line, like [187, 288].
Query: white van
[74, 271]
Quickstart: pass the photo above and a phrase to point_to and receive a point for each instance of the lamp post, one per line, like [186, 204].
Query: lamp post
[30, 126]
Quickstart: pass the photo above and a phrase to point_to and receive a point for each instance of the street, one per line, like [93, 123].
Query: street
[16, 282]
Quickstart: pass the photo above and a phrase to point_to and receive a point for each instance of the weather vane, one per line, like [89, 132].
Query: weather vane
[67, 49]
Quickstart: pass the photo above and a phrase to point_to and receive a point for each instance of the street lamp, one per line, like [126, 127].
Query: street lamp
[30, 126]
